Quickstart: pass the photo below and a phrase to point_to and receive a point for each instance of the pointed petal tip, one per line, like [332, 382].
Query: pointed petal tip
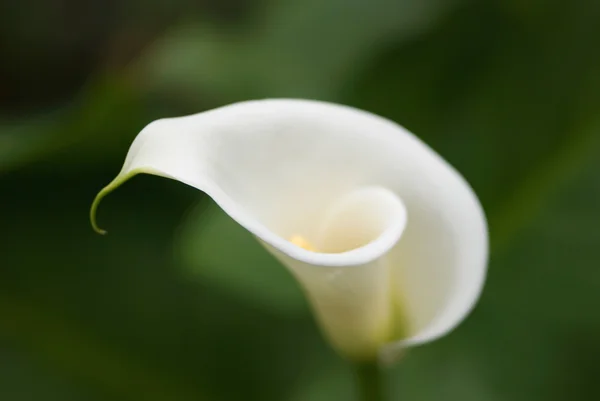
[100, 231]
[120, 179]
[93, 212]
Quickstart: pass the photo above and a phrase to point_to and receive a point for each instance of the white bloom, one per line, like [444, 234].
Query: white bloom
[388, 241]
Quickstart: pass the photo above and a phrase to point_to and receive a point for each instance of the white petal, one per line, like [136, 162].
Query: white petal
[349, 182]
[353, 302]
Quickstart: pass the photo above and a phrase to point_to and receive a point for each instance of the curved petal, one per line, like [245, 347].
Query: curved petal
[396, 227]
[354, 303]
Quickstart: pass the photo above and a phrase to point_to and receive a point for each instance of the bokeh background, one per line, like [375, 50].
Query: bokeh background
[177, 303]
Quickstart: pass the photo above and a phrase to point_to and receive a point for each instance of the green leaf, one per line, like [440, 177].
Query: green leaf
[17, 374]
[88, 359]
[24, 141]
[98, 124]
[308, 49]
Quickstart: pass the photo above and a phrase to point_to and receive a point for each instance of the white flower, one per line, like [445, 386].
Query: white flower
[387, 240]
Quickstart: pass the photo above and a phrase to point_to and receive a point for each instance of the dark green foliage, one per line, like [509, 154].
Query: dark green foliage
[178, 303]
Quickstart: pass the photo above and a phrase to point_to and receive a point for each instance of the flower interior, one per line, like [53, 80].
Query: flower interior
[353, 221]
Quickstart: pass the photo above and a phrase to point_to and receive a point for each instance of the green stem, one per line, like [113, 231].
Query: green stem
[369, 383]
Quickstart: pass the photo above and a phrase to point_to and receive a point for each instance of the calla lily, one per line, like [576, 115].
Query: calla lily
[387, 240]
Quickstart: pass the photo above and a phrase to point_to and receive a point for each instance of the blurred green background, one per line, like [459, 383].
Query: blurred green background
[178, 304]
